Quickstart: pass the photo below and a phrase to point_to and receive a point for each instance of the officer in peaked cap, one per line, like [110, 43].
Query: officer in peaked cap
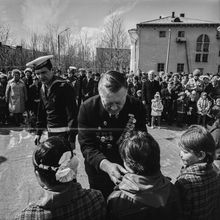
[28, 69]
[72, 68]
[57, 110]
[40, 63]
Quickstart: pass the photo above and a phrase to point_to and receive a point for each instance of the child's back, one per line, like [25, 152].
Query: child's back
[144, 193]
[138, 197]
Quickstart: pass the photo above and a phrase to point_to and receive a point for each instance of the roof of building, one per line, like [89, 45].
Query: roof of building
[169, 20]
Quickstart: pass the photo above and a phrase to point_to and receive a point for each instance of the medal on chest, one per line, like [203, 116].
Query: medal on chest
[105, 136]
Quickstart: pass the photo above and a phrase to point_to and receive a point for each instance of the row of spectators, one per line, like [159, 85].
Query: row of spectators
[20, 92]
[180, 98]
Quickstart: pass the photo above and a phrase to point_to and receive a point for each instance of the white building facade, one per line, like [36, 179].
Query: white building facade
[175, 44]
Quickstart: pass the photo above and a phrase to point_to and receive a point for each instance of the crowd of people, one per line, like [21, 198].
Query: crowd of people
[20, 93]
[179, 98]
[110, 113]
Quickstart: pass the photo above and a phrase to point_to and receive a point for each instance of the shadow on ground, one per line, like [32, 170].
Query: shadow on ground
[4, 131]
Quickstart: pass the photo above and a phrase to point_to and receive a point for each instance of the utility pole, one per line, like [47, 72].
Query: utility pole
[58, 44]
[168, 52]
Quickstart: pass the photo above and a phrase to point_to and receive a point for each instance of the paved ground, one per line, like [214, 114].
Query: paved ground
[18, 185]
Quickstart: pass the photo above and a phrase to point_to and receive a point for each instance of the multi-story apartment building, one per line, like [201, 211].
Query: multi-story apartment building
[175, 44]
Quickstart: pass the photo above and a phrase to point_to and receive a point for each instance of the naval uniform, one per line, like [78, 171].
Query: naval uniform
[100, 135]
[57, 110]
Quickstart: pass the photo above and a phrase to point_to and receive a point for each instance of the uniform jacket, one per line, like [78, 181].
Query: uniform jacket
[74, 203]
[199, 188]
[140, 197]
[100, 135]
[57, 107]
[16, 96]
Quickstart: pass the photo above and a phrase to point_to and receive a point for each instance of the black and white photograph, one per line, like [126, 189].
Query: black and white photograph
[109, 109]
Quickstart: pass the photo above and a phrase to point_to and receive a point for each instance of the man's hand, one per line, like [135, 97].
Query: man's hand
[114, 170]
[37, 139]
[144, 102]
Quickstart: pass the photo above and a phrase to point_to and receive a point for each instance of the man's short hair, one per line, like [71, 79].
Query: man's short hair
[113, 81]
[141, 153]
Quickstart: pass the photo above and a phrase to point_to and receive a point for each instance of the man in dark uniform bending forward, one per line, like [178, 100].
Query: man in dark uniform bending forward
[103, 122]
[57, 110]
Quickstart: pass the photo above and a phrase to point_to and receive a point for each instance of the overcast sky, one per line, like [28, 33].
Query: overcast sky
[80, 15]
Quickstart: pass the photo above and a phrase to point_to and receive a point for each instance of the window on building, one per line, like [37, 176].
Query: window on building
[180, 67]
[181, 33]
[198, 57]
[162, 34]
[202, 48]
[205, 58]
[160, 67]
[206, 47]
[198, 47]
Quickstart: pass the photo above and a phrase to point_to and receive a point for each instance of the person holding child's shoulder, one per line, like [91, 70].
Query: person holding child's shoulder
[144, 193]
